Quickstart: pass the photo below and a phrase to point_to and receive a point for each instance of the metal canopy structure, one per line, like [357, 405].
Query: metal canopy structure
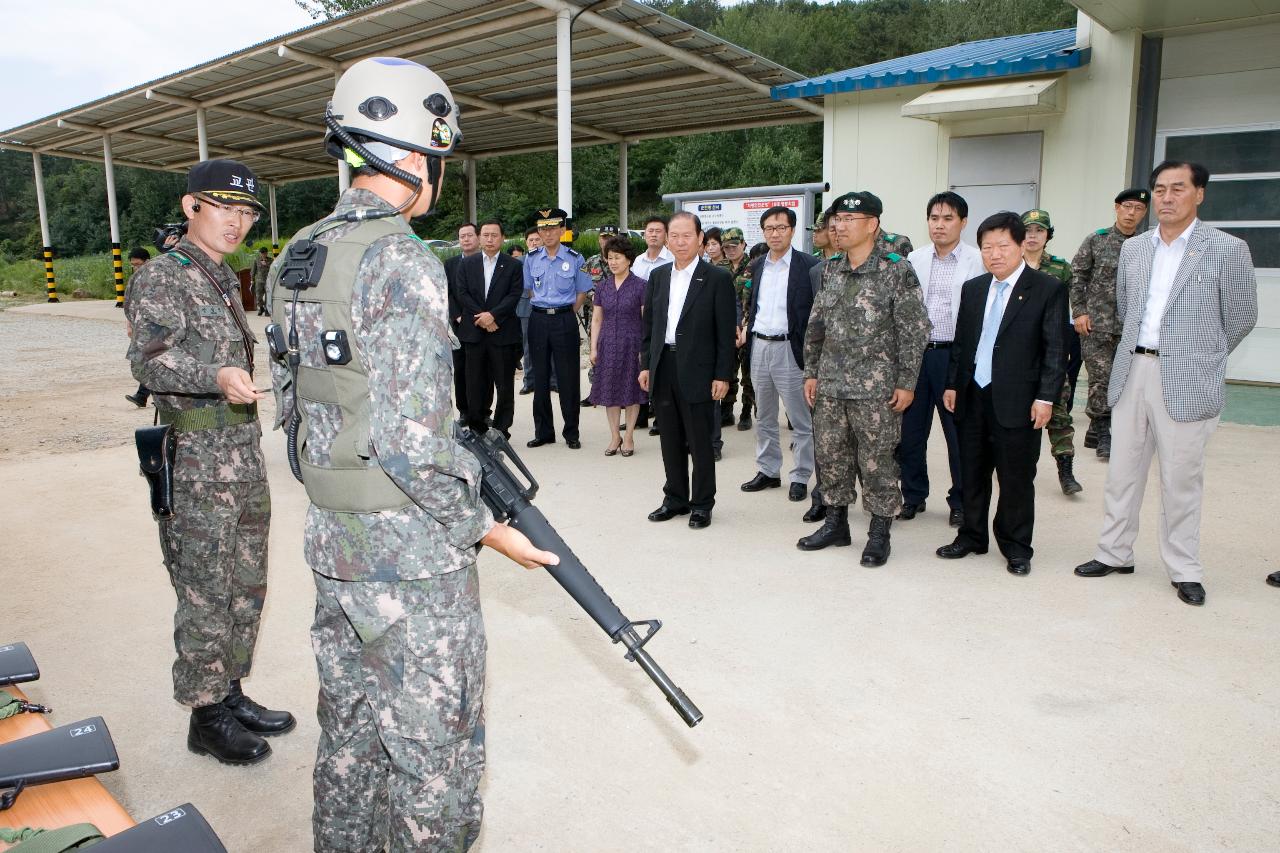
[634, 73]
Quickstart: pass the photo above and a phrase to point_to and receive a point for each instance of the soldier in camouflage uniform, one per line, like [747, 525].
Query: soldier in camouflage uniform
[261, 266]
[395, 511]
[1093, 305]
[736, 262]
[897, 244]
[1060, 428]
[862, 351]
[191, 345]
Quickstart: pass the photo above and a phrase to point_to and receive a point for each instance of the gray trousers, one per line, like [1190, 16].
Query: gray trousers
[775, 375]
[1141, 427]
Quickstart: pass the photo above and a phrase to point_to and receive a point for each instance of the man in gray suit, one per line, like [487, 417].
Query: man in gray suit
[1186, 296]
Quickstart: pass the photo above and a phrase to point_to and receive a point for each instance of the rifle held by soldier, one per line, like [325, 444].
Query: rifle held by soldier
[510, 500]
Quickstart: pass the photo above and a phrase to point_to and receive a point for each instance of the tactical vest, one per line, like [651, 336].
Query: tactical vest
[352, 481]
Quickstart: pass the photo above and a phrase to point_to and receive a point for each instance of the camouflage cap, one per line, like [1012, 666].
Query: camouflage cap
[1036, 216]
[731, 235]
[858, 202]
[1134, 194]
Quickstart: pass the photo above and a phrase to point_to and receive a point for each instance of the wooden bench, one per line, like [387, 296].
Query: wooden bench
[61, 803]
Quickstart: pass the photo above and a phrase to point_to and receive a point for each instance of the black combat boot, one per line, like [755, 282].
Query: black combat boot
[254, 717]
[817, 509]
[214, 731]
[1066, 477]
[877, 551]
[1104, 440]
[834, 531]
[1091, 435]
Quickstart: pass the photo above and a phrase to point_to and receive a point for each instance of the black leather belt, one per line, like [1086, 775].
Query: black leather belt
[1146, 351]
[938, 345]
[669, 347]
[770, 337]
[559, 309]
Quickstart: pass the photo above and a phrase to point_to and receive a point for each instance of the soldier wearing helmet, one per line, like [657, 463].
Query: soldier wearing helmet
[362, 370]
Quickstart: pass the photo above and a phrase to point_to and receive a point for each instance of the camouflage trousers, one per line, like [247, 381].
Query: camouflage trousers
[748, 392]
[401, 714]
[215, 548]
[1099, 352]
[856, 440]
[1062, 431]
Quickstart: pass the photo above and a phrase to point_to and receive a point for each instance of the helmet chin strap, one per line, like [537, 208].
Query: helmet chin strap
[435, 173]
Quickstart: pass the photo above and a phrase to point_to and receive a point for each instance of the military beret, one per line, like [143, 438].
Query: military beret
[553, 218]
[225, 180]
[1134, 194]
[1036, 216]
[731, 235]
[858, 202]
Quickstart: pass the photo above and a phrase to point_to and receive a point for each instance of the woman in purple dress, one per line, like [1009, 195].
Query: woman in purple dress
[615, 342]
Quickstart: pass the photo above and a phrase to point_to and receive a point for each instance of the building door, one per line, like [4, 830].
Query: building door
[994, 173]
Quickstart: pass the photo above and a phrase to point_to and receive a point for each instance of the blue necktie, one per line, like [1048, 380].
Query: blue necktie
[987, 343]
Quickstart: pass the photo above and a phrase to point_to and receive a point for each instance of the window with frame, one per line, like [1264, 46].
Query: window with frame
[1243, 196]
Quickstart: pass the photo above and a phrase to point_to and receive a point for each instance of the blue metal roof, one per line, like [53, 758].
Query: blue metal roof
[1000, 57]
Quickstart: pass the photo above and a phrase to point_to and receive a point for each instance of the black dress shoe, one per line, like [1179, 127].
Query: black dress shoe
[700, 518]
[1019, 566]
[958, 549]
[1096, 569]
[538, 442]
[586, 403]
[254, 717]
[716, 453]
[1190, 592]
[653, 430]
[956, 517]
[797, 492]
[1273, 579]
[667, 512]
[573, 444]
[910, 511]
[214, 731]
[525, 391]
[760, 482]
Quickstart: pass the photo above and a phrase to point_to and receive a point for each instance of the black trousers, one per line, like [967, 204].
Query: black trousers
[1012, 453]
[491, 366]
[917, 422]
[687, 431]
[460, 378]
[553, 340]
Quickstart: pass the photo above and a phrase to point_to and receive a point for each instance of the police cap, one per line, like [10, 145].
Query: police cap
[553, 218]
[225, 180]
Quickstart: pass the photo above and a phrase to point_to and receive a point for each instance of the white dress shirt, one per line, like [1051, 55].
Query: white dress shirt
[643, 265]
[1164, 268]
[771, 311]
[490, 264]
[680, 279]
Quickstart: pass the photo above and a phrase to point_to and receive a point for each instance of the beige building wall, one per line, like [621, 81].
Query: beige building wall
[1084, 163]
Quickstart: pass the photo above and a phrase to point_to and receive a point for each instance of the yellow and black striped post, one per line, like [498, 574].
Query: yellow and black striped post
[117, 268]
[275, 250]
[50, 285]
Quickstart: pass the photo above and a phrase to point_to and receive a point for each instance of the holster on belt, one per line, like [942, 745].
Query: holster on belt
[157, 450]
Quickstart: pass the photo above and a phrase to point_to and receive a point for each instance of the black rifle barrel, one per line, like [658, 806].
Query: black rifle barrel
[509, 499]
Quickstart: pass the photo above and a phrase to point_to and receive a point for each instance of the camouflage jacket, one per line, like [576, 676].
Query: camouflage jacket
[261, 266]
[867, 330]
[741, 285]
[1059, 269]
[399, 311]
[596, 268]
[1093, 288]
[183, 334]
[896, 243]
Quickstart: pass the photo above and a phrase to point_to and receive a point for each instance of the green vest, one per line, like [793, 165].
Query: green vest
[353, 481]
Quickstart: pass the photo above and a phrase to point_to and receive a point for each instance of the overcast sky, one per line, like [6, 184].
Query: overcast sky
[57, 54]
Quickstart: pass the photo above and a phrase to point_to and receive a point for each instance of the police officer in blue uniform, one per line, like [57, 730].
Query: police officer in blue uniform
[555, 275]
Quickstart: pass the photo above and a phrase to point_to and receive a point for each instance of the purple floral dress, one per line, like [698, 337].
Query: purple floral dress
[618, 349]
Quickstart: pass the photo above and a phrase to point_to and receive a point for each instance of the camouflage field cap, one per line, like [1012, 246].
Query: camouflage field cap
[731, 235]
[1036, 216]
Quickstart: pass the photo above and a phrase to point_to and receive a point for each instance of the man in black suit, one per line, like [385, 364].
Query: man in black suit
[1007, 366]
[469, 244]
[489, 284]
[688, 357]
